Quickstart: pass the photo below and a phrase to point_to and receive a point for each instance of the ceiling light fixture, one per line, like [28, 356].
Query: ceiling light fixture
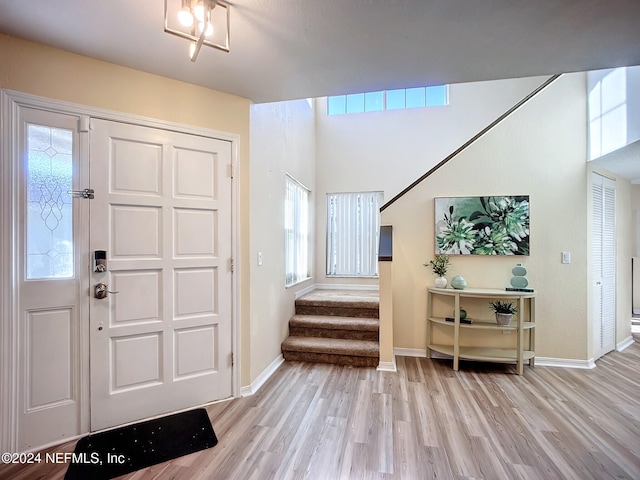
[203, 22]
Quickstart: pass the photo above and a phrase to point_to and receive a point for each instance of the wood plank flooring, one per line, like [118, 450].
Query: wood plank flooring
[424, 422]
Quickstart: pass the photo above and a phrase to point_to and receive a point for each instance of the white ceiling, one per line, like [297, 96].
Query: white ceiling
[288, 49]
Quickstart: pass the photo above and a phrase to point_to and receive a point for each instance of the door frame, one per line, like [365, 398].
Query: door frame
[10, 102]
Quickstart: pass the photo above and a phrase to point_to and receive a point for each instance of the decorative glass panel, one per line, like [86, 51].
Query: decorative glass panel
[49, 206]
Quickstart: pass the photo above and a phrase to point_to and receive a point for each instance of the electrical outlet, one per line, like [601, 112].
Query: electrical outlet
[259, 259]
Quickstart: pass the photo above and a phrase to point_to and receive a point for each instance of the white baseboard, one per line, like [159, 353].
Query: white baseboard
[542, 361]
[626, 343]
[410, 352]
[249, 390]
[344, 286]
[565, 363]
[387, 366]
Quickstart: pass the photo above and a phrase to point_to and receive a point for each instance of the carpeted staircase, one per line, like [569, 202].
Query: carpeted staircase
[335, 326]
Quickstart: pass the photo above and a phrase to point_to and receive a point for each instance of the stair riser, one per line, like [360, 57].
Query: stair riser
[337, 311]
[333, 333]
[331, 358]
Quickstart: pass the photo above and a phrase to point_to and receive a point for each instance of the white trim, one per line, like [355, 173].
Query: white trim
[387, 366]
[565, 363]
[10, 101]
[262, 378]
[410, 352]
[304, 291]
[345, 286]
[626, 343]
[540, 361]
[8, 281]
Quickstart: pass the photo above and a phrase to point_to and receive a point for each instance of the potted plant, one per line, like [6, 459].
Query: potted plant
[440, 265]
[504, 311]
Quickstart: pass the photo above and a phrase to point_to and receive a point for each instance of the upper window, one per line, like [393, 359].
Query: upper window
[296, 226]
[389, 100]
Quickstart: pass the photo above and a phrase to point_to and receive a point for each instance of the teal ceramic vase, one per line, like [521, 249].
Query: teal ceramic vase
[458, 282]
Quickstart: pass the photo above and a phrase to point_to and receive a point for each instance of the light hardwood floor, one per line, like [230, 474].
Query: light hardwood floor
[426, 421]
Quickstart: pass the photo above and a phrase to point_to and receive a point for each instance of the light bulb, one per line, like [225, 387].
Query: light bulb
[208, 30]
[198, 11]
[184, 17]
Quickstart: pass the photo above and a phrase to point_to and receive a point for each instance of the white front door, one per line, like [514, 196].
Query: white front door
[49, 252]
[162, 215]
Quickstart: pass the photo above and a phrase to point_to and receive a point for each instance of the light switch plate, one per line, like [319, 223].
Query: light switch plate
[566, 257]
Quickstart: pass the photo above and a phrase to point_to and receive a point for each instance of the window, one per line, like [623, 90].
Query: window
[49, 206]
[398, 99]
[608, 112]
[353, 226]
[296, 228]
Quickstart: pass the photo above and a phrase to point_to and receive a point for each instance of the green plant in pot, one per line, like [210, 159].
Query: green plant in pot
[504, 311]
[439, 265]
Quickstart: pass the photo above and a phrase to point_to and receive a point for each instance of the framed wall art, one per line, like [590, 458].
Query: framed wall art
[494, 225]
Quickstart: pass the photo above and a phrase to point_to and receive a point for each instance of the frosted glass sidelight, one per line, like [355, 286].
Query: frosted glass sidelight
[49, 207]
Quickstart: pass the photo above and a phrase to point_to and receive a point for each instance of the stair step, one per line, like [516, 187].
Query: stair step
[337, 322]
[337, 346]
[360, 353]
[334, 327]
[345, 303]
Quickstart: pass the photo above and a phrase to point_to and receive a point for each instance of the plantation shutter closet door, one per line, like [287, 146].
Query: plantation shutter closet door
[162, 212]
[604, 265]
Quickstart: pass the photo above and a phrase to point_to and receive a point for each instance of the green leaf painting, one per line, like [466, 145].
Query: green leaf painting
[482, 225]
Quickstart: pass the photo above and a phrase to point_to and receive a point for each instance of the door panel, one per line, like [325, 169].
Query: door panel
[162, 211]
[50, 250]
[604, 270]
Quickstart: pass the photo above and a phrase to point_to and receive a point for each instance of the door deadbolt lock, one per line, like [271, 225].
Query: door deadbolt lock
[100, 261]
[100, 291]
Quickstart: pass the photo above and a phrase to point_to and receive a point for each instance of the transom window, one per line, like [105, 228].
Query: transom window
[402, 98]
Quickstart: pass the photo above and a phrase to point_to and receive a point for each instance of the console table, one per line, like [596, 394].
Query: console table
[453, 300]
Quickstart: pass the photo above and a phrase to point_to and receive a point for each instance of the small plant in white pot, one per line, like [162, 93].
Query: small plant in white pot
[504, 311]
[439, 265]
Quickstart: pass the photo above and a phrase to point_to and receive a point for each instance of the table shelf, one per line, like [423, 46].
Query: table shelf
[486, 353]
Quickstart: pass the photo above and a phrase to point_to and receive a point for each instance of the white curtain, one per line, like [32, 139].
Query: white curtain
[353, 229]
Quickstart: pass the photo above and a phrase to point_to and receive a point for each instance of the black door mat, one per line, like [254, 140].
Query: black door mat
[124, 450]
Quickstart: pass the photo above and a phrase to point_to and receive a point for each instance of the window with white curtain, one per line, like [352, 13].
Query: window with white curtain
[296, 227]
[353, 229]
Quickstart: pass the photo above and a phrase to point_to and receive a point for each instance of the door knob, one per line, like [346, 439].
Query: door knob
[100, 290]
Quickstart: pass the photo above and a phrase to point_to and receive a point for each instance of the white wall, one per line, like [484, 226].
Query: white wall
[539, 151]
[282, 141]
[387, 151]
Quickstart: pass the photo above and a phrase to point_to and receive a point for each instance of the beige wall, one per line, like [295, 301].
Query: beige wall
[39, 70]
[386, 151]
[539, 151]
[282, 142]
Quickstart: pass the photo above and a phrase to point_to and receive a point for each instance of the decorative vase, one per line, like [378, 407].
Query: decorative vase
[463, 314]
[504, 318]
[441, 282]
[519, 280]
[458, 282]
